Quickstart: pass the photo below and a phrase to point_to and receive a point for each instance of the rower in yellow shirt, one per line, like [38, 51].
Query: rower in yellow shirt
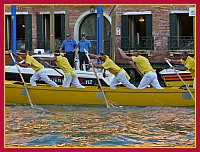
[35, 65]
[189, 65]
[144, 67]
[69, 72]
[120, 74]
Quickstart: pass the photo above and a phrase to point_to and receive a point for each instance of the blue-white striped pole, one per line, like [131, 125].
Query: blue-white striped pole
[13, 28]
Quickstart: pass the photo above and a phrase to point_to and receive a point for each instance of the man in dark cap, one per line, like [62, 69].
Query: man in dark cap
[84, 46]
[70, 47]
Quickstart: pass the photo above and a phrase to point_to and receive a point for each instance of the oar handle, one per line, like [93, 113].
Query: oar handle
[86, 53]
[54, 68]
[169, 63]
[136, 68]
[12, 57]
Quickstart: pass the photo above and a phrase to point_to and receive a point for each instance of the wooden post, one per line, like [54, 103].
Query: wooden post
[66, 22]
[52, 31]
[113, 34]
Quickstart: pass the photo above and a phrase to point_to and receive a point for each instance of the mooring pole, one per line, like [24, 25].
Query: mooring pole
[13, 29]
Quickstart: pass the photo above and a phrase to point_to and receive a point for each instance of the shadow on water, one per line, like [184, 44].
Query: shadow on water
[97, 126]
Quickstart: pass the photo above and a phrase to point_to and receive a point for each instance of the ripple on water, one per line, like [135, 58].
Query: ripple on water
[81, 125]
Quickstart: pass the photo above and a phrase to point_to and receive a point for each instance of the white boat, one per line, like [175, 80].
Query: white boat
[171, 78]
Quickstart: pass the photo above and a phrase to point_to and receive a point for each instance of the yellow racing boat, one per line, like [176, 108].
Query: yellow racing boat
[15, 93]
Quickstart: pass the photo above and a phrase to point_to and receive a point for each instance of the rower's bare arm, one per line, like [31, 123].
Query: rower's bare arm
[25, 65]
[93, 56]
[123, 55]
[174, 61]
[17, 56]
[97, 66]
[48, 59]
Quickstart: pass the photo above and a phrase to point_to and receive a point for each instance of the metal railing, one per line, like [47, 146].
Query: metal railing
[127, 43]
[45, 44]
[181, 42]
[31, 44]
[141, 43]
[21, 44]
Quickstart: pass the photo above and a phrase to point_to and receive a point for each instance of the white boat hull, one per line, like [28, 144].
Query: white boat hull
[86, 78]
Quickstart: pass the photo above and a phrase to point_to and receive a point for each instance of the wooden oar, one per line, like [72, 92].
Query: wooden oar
[136, 68]
[25, 86]
[181, 79]
[107, 105]
[54, 68]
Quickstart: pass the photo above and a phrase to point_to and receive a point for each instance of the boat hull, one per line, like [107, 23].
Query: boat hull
[86, 78]
[90, 81]
[43, 94]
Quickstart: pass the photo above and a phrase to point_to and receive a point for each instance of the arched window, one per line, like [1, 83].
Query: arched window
[88, 26]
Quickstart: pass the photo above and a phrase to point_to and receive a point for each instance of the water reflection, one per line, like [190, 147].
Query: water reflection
[97, 126]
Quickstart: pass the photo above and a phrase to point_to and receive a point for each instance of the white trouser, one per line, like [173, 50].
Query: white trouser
[75, 82]
[121, 77]
[150, 78]
[42, 74]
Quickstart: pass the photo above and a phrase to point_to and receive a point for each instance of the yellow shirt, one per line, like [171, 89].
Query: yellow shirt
[190, 64]
[112, 67]
[63, 64]
[143, 64]
[34, 64]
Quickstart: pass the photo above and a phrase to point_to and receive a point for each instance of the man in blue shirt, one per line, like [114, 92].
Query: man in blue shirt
[83, 45]
[70, 46]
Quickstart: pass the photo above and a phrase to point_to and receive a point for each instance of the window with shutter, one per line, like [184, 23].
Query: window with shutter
[40, 31]
[173, 32]
[136, 32]
[124, 33]
[63, 26]
[181, 32]
[28, 32]
[88, 26]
